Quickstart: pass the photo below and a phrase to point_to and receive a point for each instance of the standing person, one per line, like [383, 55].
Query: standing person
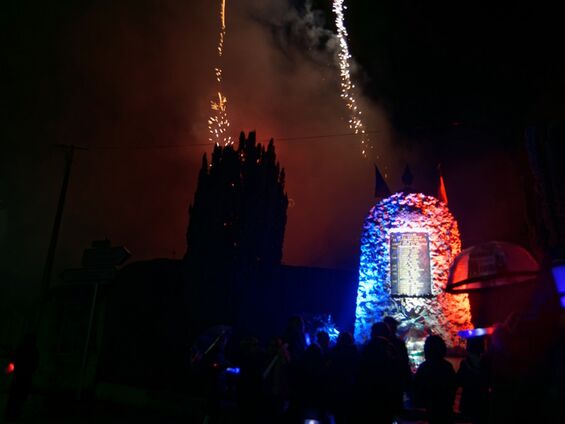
[275, 380]
[26, 361]
[436, 383]
[250, 399]
[323, 340]
[343, 363]
[473, 379]
[404, 361]
[295, 338]
[379, 378]
[312, 386]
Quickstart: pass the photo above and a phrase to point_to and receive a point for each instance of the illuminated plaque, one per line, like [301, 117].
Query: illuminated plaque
[410, 264]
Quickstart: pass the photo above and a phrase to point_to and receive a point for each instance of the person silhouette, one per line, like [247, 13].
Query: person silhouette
[343, 364]
[472, 378]
[435, 382]
[323, 340]
[295, 338]
[403, 359]
[379, 378]
[26, 360]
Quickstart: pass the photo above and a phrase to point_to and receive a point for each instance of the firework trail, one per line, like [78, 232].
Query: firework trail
[218, 122]
[347, 87]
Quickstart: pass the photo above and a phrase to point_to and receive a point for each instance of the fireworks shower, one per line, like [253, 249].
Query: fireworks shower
[347, 87]
[218, 123]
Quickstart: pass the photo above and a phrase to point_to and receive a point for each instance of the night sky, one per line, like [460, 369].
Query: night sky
[439, 82]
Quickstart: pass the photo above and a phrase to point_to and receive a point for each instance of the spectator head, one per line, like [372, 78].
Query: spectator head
[392, 324]
[345, 338]
[323, 339]
[434, 348]
[380, 329]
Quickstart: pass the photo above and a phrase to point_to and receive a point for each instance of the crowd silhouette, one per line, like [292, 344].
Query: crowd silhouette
[514, 375]
[289, 381]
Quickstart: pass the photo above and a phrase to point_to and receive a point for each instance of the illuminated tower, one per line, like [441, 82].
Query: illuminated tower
[408, 243]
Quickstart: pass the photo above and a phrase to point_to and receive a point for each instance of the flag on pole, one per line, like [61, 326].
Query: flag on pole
[407, 179]
[381, 188]
[441, 193]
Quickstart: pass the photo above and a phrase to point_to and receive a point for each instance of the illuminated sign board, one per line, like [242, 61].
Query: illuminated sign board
[410, 264]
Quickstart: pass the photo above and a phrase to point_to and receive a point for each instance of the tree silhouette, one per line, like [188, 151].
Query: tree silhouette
[238, 217]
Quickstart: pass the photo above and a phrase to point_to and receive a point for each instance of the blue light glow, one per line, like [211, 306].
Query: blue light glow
[475, 332]
[325, 323]
[558, 272]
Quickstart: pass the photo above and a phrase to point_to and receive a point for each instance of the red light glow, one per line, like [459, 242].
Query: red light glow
[10, 368]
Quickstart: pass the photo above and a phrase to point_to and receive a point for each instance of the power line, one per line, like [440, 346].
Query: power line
[277, 139]
[311, 137]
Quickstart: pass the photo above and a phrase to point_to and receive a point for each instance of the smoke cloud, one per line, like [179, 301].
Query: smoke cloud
[132, 82]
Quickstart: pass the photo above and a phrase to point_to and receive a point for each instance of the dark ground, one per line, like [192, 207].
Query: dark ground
[63, 409]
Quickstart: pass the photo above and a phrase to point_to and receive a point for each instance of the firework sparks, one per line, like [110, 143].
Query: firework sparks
[218, 123]
[347, 87]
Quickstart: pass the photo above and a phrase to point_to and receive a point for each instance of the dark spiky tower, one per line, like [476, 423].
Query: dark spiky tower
[238, 217]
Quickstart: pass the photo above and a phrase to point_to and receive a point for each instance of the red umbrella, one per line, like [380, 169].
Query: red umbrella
[491, 265]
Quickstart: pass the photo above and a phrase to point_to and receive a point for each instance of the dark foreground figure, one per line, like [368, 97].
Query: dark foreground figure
[26, 360]
[436, 383]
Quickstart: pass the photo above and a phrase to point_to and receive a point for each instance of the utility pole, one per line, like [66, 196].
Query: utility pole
[48, 268]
